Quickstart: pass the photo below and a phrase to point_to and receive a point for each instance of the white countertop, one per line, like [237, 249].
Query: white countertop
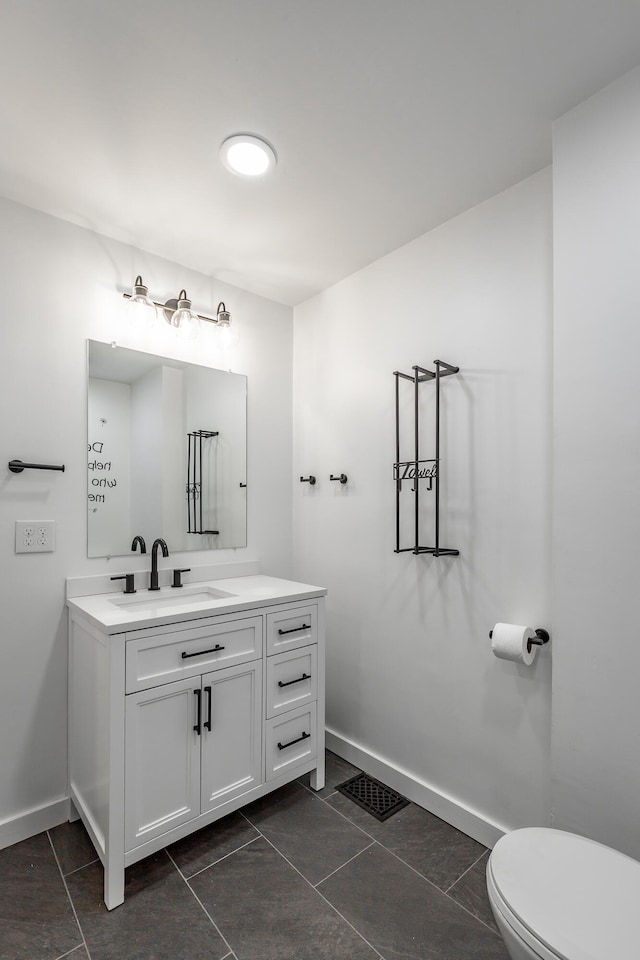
[119, 612]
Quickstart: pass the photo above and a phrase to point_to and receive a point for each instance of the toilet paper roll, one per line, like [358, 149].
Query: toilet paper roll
[509, 642]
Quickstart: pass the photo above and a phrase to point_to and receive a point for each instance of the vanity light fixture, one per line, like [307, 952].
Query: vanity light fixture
[247, 155]
[179, 314]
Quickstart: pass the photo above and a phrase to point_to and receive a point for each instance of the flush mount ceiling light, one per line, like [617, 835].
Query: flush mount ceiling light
[247, 155]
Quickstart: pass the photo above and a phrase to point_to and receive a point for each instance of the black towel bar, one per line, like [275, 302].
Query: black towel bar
[17, 466]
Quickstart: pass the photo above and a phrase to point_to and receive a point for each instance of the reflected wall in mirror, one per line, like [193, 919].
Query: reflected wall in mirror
[167, 444]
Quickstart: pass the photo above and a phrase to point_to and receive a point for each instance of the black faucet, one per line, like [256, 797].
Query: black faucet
[139, 541]
[153, 583]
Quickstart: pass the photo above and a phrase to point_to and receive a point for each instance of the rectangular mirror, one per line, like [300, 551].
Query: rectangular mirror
[167, 453]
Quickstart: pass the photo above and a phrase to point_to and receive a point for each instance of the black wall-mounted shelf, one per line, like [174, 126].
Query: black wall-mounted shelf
[420, 469]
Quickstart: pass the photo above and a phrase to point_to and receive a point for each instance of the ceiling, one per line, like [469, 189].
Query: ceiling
[388, 118]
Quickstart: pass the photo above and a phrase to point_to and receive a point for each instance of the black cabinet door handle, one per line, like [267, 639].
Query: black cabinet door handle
[198, 724]
[305, 626]
[283, 746]
[207, 723]
[201, 653]
[287, 683]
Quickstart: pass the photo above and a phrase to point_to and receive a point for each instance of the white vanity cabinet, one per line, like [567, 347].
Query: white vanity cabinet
[176, 724]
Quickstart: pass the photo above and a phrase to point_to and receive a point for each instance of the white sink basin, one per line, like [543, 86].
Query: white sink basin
[168, 597]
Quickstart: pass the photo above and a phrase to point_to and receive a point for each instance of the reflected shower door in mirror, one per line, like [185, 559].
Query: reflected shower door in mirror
[167, 453]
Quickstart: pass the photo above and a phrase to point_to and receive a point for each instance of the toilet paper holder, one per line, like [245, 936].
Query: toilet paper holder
[542, 637]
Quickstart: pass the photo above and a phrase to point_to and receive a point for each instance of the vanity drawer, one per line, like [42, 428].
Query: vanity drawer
[159, 658]
[288, 629]
[291, 740]
[292, 680]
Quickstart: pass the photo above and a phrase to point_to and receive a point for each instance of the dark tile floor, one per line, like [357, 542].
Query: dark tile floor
[293, 876]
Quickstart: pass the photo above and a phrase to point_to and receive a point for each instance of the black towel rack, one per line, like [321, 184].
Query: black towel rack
[420, 469]
[17, 466]
[194, 480]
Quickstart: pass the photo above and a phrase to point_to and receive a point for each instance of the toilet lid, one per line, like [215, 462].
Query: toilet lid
[578, 897]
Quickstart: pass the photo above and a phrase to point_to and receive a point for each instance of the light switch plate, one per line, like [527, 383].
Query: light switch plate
[35, 536]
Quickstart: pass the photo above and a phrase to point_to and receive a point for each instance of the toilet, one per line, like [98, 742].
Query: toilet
[559, 896]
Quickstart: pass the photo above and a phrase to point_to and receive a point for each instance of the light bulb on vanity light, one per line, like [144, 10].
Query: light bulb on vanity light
[227, 335]
[184, 321]
[141, 309]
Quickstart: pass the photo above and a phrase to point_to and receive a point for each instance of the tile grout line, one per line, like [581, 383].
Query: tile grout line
[78, 869]
[316, 793]
[322, 896]
[73, 908]
[78, 951]
[479, 919]
[71, 952]
[464, 873]
[440, 890]
[334, 809]
[214, 862]
[345, 817]
[364, 849]
[202, 906]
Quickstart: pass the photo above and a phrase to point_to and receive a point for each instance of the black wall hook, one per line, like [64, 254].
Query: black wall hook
[310, 480]
[342, 478]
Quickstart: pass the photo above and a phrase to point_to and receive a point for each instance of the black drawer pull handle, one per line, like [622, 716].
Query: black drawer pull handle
[283, 746]
[287, 683]
[201, 653]
[305, 626]
[198, 724]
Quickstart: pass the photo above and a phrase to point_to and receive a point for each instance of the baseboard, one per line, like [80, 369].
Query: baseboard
[28, 824]
[483, 830]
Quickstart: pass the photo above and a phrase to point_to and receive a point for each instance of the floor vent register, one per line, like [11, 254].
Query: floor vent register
[374, 797]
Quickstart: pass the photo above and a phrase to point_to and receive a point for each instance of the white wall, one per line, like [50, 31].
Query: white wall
[596, 701]
[61, 285]
[411, 678]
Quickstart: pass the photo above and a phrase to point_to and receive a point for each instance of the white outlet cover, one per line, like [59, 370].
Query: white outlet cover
[35, 536]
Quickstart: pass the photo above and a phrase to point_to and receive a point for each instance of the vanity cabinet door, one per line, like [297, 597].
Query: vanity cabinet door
[231, 734]
[162, 760]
